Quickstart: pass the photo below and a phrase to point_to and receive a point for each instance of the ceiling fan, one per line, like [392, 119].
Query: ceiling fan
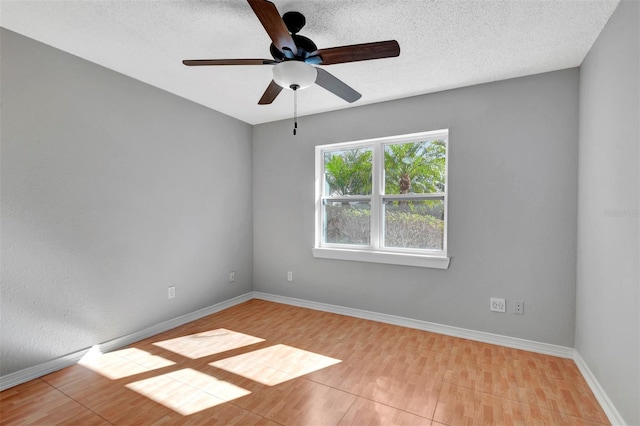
[294, 56]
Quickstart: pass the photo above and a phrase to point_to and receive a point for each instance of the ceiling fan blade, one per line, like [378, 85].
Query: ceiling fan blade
[270, 94]
[199, 62]
[336, 86]
[355, 52]
[268, 15]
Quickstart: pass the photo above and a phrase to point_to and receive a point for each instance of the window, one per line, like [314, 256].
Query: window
[384, 200]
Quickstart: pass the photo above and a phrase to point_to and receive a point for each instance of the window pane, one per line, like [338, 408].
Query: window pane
[414, 224]
[415, 167]
[348, 172]
[347, 223]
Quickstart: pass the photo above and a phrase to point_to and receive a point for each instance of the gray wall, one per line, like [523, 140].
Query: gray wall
[608, 298]
[512, 208]
[112, 190]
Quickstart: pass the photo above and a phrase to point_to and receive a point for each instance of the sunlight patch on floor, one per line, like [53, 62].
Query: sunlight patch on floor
[208, 343]
[188, 391]
[275, 364]
[122, 363]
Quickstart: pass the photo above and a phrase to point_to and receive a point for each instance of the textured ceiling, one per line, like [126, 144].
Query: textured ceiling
[444, 44]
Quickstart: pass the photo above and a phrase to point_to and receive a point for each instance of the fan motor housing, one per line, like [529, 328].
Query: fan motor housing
[305, 47]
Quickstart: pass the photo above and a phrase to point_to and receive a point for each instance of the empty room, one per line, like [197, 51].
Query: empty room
[306, 212]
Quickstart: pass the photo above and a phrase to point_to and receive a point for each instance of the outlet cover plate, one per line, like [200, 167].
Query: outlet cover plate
[518, 307]
[171, 292]
[497, 305]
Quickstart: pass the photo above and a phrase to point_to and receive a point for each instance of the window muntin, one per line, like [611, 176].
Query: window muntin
[385, 195]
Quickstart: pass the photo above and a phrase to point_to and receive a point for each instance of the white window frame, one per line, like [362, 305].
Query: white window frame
[374, 252]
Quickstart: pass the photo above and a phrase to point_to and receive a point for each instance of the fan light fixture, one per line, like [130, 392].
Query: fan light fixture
[294, 75]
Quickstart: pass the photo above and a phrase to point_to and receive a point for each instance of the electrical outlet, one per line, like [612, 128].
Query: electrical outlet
[497, 305]
[518, 307]
[171, 293]
[289, 276]
[232, 276]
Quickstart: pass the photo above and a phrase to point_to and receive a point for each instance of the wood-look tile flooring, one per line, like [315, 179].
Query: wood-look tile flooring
[264, 363]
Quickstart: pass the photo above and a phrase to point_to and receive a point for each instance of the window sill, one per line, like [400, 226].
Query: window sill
[423, 261]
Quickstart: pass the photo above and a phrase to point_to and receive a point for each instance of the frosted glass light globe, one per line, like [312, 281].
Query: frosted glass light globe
[291, 73]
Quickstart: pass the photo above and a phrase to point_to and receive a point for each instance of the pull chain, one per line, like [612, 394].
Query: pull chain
[295, 88]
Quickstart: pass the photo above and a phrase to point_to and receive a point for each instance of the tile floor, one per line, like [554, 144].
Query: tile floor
[264, 363]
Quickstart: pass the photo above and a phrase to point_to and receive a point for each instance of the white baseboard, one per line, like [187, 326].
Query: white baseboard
[480, 336]
[48, 367]
[56, 364]
[609, 409]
